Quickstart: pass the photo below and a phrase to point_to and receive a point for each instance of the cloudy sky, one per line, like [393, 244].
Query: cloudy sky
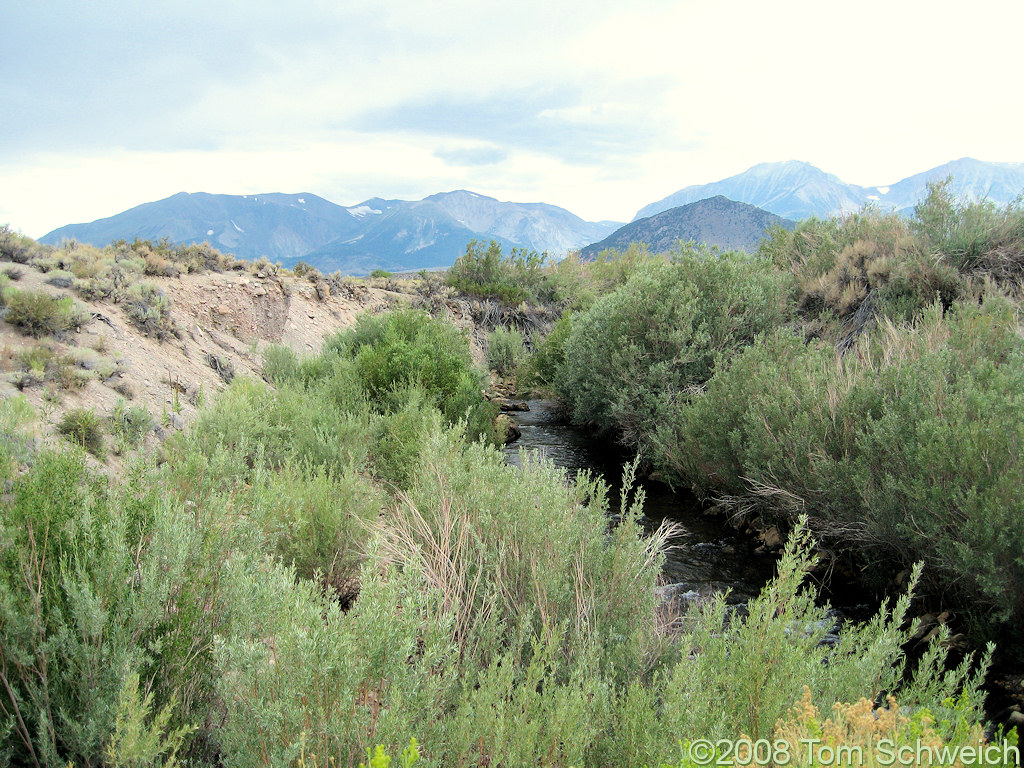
[596, 106]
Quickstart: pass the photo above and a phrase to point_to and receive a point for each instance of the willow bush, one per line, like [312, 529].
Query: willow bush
[637, 354]
[905, 449]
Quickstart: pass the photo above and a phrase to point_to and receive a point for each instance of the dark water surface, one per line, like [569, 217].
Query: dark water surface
[707, 556]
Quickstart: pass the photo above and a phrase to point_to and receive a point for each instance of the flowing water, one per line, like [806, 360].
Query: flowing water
[706, 556]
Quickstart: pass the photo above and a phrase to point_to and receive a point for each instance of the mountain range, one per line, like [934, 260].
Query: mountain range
[716, 221]
[796, 190]
[377, 233]
[433, 232]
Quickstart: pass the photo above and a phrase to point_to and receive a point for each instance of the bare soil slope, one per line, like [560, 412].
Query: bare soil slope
[224, 320]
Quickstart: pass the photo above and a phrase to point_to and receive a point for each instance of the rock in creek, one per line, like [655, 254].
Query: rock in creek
[507, 428]
[506, 404]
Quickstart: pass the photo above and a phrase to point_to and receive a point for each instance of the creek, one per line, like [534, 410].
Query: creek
[706, 556]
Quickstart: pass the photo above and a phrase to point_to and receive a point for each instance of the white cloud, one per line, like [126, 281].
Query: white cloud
[595, 106]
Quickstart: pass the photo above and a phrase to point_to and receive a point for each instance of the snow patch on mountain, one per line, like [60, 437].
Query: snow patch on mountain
[360, 211]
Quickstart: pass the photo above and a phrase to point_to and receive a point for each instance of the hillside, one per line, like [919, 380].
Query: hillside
[222, 320]
[716, 221]
[172, 347]
[384, 234]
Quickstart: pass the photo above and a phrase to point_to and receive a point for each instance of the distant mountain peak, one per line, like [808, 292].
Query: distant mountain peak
[796, 189]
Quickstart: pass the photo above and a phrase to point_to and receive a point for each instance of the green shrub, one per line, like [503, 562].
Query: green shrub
[161, 267]
[466, 563]
[263, 265]
[16, 247]
[71, 633]
[380, 273]
[126, 586]
[815, 246]
[38, 363]
[974, 236]
[150, 309]
[638, 353]
[140, 736]
[40, 314]
[903, 450]
[854, 270]
[17, 435]
[411, 349]
[505, 350]
[401, 436]
[302, 269]
[527, 652]
[541, 368]
[129, 423]
[512, 278]
[45, 262]
[519, 552]
[107, 278]
[316, 521]
[60, 278]
[301, 677]
[202, 257]
[584, 281]
[735, 675]
[280, 364]
[278, 428]
[83, 428]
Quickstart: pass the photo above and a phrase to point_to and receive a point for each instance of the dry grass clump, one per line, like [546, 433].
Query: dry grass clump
[45, 363]
[263, 266]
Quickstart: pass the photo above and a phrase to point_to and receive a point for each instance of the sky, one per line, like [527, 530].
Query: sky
[598, 107]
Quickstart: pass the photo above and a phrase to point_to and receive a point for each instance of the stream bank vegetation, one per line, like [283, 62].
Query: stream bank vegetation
[260, 598]
[865, 372]
[337, 559]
